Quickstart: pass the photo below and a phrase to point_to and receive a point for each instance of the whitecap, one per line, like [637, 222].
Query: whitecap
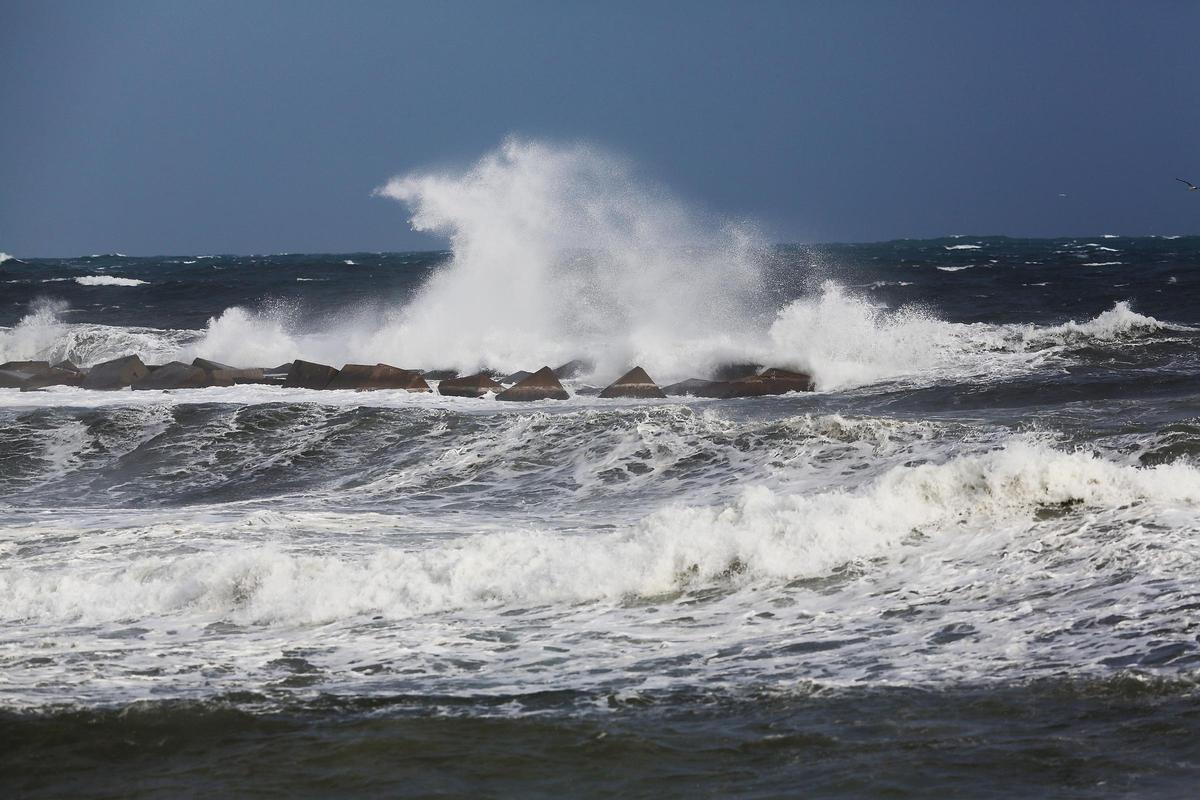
[764, 537]
[108, 280]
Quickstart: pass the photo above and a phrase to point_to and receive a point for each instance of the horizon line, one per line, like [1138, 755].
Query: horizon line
[830, 243]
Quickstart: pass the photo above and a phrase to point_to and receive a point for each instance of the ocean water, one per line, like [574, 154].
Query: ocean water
[966, 564]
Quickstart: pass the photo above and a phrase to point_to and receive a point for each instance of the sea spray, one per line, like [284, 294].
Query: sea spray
[38, 333]
[561, 252]
[43, 334]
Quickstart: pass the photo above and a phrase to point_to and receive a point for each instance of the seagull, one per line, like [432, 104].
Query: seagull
[1191, 186]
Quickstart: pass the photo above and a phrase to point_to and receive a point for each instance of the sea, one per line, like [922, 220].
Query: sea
[966, 565]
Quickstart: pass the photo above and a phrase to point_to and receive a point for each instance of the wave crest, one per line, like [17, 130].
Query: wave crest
[765, 535]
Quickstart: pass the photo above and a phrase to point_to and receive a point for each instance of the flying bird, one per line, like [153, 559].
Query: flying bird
[1191, 186]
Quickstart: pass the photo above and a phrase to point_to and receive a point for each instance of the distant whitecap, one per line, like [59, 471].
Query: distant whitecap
[107, 280]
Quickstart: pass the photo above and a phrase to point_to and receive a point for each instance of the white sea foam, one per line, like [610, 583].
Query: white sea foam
[1102, 263]
[108, 280]
[42, 334]
[842, 339]
[957, 269]
[1119, 321]
[964, 247]
[5, 257]
[765, 536]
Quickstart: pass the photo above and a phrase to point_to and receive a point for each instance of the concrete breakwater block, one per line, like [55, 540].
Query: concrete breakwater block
[27, 375]
[635, 383]
[118, 373]
[696, 387]
[769, 382]
[471, 386]
[130, 371]
[309, 375]
[24, 366]
[54, 376]
[573, 369]
[365, 377]
[733, 372]
[541, 385]
[225, 375]
[173, 375]
[516, 377]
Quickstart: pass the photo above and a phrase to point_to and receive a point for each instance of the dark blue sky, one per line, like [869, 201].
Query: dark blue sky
[186, 127]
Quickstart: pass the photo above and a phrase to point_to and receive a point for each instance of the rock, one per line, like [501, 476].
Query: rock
[27, 375]
[116, 374]
[770, 382]
[635, 383]
[696, 387]
[472, 386]
[573, 369]
[439, 374]
[11, 379]
[309, 375]
[733, 372]
[174, 375]
[67, 365]
[516, 377]
[541, 385]
[212, 366]
[587, 390]
[275, 376]
[24, 366]
[53, 377]
[225, 375]
[365, 377]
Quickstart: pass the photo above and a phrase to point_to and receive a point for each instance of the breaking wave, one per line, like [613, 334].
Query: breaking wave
[766, 535]
[844, 340]
[560, 253]
[42, 334]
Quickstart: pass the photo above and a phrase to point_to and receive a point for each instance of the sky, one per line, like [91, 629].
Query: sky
[255, 127]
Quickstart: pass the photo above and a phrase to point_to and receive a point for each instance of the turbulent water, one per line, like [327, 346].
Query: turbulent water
[966, 564]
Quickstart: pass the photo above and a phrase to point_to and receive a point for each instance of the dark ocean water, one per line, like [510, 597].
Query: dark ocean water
[965, 566]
